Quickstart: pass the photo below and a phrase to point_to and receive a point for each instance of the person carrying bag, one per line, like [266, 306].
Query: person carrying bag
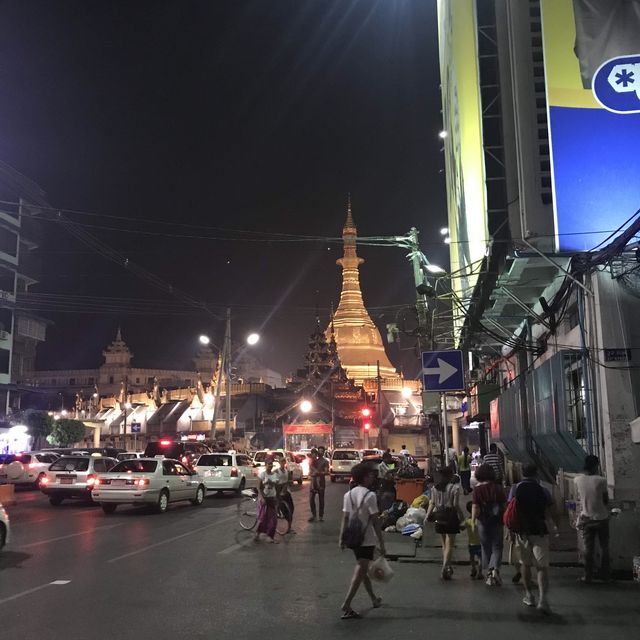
[360, 530]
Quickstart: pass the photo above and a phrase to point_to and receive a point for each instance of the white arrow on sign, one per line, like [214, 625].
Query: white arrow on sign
[444, 370]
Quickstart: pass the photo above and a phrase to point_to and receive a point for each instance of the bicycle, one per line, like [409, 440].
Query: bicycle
[248, 512]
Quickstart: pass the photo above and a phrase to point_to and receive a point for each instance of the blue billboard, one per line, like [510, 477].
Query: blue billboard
[592, 67]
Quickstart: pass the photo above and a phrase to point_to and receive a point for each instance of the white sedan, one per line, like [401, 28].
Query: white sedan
[156, 481]
[295, 468]
[226, 471]
[26, 468]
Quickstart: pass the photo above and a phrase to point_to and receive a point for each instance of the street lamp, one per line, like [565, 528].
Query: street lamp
[434, 268]
[443, 134]
[253, 338]
[444, 231]
[306, 406]
[406, 392]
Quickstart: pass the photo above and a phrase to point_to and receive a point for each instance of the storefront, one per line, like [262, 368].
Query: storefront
[299, 437]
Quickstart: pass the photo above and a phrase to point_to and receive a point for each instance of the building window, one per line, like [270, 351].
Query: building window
[110, 379]
[8, 242]
[575, 398]
[4, 360]
[150, 380]
[54, 382]
[91, 380]
[137, 380]
[72, 381]
[187, 382]
[7, 280]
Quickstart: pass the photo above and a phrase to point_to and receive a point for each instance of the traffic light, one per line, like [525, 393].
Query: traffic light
[366, 418]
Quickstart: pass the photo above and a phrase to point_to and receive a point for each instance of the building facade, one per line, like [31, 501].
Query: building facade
[543, 299]
[21, 201]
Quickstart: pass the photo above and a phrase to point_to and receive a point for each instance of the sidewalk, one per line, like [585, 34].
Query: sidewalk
[564, 548]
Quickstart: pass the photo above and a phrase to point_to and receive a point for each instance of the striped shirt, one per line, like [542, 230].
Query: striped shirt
[493, 459]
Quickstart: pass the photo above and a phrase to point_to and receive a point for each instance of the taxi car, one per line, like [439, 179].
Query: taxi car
[73, 477]
[228, 471]
[153, 481]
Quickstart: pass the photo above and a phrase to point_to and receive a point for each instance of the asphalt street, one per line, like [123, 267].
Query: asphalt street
[72, 573]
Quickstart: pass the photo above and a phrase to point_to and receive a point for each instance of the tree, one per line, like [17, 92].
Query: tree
[39, 424]
[66, 431]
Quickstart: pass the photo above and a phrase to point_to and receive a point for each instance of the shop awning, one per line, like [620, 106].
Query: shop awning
[306, 429]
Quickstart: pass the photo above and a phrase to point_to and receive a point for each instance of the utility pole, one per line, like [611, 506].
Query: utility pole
[378, 413]
[419, 280]
[227, 360]
[126, 401]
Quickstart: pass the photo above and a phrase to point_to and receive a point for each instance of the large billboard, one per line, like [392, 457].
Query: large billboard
[464, 159]
[592, 68]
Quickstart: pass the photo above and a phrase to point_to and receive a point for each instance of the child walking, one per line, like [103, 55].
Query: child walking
[475, 550]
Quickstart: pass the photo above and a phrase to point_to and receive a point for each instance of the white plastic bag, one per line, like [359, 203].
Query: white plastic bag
[415, 515]
[380, 570]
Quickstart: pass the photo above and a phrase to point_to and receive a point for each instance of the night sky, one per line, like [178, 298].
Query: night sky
[244, 115]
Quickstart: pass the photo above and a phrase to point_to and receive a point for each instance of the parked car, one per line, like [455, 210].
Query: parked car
[4, 527]
[26, 468]
[74, 477]
[229, 471]
[342, 462]
[187, 452]
[155, 481]
[295, 468]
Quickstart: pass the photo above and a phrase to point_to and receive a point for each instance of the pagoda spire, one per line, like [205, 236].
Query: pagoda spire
[358, 339]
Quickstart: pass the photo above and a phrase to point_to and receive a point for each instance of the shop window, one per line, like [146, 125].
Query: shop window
[4, 360]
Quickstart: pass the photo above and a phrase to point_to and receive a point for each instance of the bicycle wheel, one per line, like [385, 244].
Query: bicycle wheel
[283, 518]
[248, 513]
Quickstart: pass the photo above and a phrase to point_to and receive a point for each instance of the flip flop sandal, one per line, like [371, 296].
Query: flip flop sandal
[350, 615]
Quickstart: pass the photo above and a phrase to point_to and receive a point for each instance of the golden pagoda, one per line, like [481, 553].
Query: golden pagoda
[360, 345]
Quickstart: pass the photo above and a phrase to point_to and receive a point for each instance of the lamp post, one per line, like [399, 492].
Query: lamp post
[225, 366]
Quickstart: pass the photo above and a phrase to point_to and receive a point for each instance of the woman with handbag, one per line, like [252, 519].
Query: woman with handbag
[444, 510]
[359, 530]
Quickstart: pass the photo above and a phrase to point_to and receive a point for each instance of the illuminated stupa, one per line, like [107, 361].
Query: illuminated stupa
[360, 345]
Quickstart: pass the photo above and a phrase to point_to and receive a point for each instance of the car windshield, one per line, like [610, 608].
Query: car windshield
[345, 455]
[72, 463]
[370, 452]
[135, 466]
[261, 456]
[215, 460]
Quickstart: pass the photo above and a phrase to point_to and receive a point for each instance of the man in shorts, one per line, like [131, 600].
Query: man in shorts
[534, 506]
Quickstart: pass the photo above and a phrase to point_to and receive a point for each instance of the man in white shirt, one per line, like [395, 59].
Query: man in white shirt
[360, 502]
[593, 520]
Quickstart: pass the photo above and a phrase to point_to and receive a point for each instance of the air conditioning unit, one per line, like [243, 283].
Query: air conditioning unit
[4, 335]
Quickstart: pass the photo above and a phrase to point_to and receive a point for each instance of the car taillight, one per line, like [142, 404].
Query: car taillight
[165, 443]
[184, 459]
[44, 480]
[92, 480]
[234, 472]
[141, 482]
[330, 467]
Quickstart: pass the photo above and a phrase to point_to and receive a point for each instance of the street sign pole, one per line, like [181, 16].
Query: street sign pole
[443, 400]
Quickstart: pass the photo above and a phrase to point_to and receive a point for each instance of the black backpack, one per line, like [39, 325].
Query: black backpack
[353, 533]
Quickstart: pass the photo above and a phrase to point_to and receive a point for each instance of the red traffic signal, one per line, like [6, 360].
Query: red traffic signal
[366, 412]
[367, 426]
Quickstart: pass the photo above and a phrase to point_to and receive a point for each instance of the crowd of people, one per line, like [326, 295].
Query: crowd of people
[524, 517]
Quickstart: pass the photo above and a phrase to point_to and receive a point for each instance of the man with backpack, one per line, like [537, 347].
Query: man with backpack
[359, 532]
[527, 518]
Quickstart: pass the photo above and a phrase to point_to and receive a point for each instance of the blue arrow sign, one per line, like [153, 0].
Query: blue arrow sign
[442, 371]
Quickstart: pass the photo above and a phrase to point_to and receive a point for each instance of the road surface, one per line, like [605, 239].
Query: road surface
[72, 573]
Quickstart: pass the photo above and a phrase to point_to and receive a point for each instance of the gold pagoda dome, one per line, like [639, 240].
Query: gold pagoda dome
[360, 345]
